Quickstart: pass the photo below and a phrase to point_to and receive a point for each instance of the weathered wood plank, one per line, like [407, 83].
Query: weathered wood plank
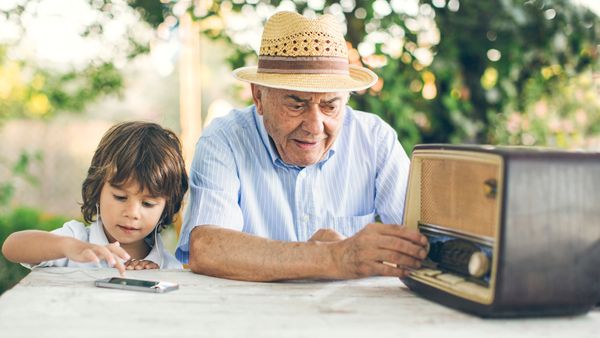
[62, 302]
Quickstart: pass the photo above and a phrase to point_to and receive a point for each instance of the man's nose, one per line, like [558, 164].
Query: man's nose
[313, 120]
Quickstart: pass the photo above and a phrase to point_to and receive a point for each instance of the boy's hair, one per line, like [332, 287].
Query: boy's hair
[140, 151]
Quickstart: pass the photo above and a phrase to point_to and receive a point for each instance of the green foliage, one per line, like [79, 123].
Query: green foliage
[542, 46]
[17, 170]
[151, 11]
[17, 220]
[454, 71]
[28, 91]
[72, 91]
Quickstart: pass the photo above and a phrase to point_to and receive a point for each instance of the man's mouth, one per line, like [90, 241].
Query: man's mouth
[306, 144]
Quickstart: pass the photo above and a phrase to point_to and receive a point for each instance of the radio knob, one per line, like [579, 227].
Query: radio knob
[490, 188]
[479, 264]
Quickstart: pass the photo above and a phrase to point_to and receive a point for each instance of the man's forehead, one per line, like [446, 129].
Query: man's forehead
[310, 96]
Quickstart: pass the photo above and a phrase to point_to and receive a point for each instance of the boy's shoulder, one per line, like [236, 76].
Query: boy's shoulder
[75, 229]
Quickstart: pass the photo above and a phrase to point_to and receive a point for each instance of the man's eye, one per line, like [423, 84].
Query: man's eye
[328, 109]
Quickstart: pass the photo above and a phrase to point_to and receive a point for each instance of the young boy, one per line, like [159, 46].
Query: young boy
[134, 188]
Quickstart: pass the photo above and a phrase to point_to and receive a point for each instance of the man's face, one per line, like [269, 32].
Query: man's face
[303, 125]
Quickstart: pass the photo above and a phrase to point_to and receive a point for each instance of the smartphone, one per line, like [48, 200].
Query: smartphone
[136, 284]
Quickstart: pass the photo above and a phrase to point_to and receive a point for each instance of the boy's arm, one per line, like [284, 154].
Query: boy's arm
[34, 246]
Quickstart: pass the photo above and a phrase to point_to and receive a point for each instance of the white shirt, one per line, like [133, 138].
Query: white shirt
[238, 181]
[95, 234]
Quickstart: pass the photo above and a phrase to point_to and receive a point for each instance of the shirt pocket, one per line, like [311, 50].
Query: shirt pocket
[348, 225]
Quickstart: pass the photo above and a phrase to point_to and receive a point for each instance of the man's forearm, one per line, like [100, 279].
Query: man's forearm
[231, 254]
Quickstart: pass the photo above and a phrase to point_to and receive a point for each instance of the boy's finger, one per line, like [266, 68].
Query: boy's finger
[90, 256]
[119, 266]
[103, 252]
[131, 264]
[119, 252]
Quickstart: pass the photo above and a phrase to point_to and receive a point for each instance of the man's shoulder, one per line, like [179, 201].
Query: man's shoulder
[231, 124]
[366, 123]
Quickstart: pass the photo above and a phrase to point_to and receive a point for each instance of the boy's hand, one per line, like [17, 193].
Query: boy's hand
[134, 264]
[86, 252]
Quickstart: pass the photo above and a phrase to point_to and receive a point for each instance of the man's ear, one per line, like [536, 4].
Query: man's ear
[256, 97]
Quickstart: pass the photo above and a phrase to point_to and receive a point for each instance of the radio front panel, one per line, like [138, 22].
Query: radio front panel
[454, 200]
[513, 231]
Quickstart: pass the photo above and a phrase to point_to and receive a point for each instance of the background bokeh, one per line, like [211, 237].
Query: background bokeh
[457, 71]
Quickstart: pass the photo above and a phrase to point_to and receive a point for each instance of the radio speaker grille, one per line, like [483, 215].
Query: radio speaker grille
[460, 195]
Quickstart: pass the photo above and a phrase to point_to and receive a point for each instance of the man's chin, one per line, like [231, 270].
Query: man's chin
[309, 162]
[303, 162]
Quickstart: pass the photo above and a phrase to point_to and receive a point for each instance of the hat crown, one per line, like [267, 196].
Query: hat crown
[308, 55]
[290, 34]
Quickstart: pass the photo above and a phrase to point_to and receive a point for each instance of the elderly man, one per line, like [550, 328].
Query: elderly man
[290, 187]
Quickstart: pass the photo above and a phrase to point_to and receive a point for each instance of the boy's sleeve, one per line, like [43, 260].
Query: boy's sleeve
[73, 229]
[214, 191]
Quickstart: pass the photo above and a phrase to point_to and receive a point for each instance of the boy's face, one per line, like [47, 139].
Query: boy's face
[129, 214]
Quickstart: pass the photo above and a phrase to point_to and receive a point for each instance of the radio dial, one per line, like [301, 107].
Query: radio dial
[479, 264]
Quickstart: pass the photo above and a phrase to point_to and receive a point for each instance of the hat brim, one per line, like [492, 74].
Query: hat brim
[358, 79]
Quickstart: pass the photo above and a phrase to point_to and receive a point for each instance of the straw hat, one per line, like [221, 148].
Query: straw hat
[302, 54]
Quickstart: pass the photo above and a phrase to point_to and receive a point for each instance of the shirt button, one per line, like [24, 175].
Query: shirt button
[305, 218]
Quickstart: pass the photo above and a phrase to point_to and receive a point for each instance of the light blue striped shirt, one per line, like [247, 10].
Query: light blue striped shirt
[238, 181]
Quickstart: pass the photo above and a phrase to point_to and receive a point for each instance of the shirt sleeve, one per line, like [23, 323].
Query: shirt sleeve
[72, 229]
[392, 177]
[214, 191]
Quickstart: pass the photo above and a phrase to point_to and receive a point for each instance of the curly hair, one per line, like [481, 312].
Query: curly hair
[141, 151]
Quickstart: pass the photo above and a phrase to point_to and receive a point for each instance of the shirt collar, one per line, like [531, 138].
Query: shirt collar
[272, 150]
[155, 254]
[98, 236]
[264, 136]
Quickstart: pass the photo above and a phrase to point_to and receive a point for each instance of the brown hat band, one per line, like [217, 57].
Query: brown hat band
[303, 65]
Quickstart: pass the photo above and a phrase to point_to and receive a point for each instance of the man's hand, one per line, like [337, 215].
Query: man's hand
[79, 251]
[134, 264]
[326, 235]
[364, 253]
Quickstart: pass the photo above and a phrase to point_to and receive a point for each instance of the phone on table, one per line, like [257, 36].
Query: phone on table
[136, 284]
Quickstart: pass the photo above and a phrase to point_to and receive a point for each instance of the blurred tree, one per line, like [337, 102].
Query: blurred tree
[32, 89]
[500, 58]
[19, 169]
[29, 91]
[451, 71]
[16, 220]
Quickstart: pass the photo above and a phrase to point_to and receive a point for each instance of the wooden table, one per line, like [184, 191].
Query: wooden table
[63, 302]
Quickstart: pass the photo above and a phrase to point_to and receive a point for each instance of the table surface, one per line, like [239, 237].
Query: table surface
[63, 302]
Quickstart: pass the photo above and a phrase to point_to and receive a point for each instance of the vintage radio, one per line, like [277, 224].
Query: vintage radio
[513, 231]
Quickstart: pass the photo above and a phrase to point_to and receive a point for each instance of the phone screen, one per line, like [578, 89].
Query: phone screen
[133, 282]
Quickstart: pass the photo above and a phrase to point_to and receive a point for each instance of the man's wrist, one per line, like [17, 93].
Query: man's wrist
[330, 265]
